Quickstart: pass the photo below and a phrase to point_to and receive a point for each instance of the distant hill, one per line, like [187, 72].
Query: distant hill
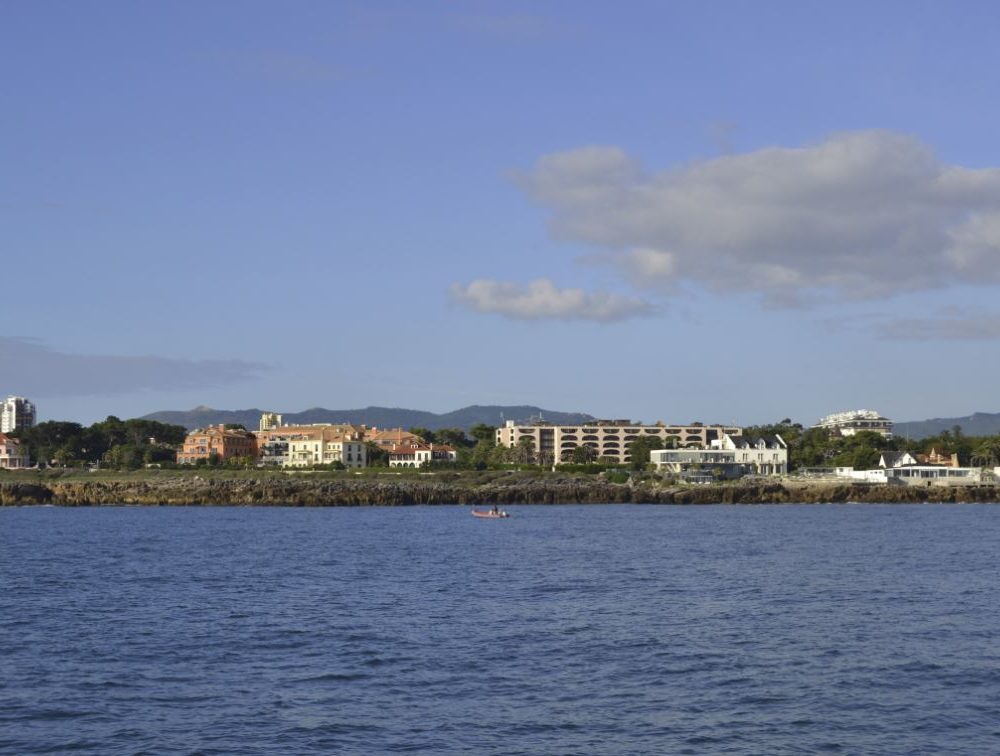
[976, 424]
[382, 417]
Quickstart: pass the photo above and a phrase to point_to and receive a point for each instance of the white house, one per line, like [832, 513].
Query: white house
[915, 475]
[13, 454]
[419, 454]
[897, 459]
[732, 455]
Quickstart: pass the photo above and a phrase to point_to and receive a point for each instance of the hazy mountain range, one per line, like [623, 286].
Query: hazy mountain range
[976, 424]
[381, 417]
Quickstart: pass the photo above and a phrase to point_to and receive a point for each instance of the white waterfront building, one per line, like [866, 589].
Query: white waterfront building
[732, 456]
[915, 475]
[16, 413]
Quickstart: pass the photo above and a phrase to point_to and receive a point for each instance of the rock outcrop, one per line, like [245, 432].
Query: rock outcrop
[195, 490]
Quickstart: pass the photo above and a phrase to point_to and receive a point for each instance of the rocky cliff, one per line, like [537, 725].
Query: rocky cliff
[192, 491]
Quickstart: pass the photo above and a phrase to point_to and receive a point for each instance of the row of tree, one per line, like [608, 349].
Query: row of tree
[111, 443]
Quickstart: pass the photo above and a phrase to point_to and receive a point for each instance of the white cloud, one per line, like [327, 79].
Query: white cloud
[859, 215]
[541, 299]
[27, 367]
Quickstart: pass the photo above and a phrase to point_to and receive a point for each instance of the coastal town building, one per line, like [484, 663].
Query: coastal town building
[388, 438]
[854, 421]
[13, 454]
[218, 442]
[915, 475]
[419, 454]
[274, 444]
[608, 438]
[325, 445]
[903, 468]
[896, 459]
[934, 457]
[16, 413]
[731, 456]
[269, 421]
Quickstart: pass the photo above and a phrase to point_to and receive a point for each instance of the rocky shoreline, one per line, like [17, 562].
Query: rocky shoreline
[195, 491]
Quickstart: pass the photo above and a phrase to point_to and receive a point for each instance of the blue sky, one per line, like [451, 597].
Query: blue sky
[731, 211]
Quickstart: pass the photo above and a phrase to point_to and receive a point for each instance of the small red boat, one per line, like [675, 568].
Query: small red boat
[490, 514]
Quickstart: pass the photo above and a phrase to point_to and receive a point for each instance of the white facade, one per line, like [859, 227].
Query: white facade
[608, 438]
[16, 413]
[307, 445]
[915, 475]
[269, 421]
[854, 421]
[418, 455]
[731, 455]
[322, 449]
[13, 455]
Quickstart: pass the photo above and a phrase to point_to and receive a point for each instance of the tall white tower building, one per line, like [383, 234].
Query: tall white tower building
[16, 412]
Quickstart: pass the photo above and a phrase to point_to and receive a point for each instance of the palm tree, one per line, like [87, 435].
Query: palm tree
[987, 454]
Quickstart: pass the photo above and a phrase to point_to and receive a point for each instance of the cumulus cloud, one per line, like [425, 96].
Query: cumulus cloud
[859, 215]
[27, 367]
[541, 299]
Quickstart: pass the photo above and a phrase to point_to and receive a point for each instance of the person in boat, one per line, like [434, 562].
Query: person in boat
[495, 510]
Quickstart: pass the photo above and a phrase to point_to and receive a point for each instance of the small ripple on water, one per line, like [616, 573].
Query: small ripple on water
[824, 635]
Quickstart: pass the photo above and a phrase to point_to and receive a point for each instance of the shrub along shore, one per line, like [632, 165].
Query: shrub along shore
[240, 488]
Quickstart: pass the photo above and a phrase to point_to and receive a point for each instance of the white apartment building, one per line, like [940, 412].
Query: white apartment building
[16, 413]
[274, 444]
[269, 421]
[608, 438]
[854, 421]
[323, 446]
[732, 456]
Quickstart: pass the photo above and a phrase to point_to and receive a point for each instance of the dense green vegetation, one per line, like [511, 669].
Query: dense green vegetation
[815, 447]
[113, 442]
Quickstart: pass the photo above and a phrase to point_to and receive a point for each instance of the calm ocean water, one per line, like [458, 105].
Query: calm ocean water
[563, 630]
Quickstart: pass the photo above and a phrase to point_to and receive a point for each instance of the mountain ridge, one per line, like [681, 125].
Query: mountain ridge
[382, 417]
[976, 424]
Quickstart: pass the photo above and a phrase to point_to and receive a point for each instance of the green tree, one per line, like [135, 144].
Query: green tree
[583, 455]
[987, 453]
[425, 433]
[524, 452]
[377, 456]
[124, 456]
[483, 432]
[452, 437]
[639, 450]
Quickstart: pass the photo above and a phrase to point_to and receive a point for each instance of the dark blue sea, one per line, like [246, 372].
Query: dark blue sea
[840, 629]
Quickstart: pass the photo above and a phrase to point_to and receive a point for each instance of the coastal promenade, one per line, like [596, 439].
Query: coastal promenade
[468, 488]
